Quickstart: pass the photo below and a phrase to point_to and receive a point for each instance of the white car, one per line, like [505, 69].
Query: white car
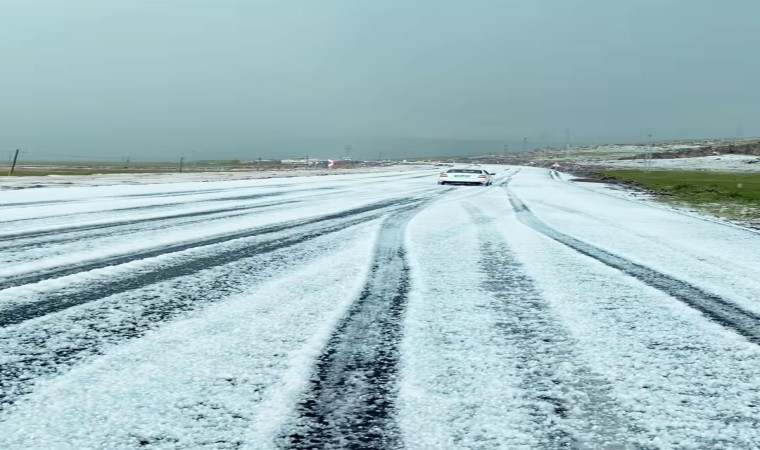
[466, 176]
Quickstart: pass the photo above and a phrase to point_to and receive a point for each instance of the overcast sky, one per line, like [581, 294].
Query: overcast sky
[267, 78]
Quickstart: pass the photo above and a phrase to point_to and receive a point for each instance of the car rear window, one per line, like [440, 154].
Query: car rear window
[464, 171]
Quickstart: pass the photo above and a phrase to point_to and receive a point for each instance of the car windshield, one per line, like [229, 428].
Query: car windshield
[380, 224]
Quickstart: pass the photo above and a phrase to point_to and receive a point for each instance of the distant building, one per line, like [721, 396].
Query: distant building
[300, 162]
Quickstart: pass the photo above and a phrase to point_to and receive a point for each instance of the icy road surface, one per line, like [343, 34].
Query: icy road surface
[373, 311]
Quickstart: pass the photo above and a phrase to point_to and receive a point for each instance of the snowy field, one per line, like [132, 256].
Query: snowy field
[186, 177]
[614, 151]
[640, 148]
[373, 311]
[722, 163]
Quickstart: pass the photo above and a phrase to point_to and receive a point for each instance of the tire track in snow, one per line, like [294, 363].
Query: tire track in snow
[59, 300]
[351, 401]
[172, 194]
[62, 233]
[718, 268]
[26, 251]
[51, 345]
[141, 208]
[149, 253]
[570, 405]
[169, 207]
[714, 307]
[178, 193]
[54, 301]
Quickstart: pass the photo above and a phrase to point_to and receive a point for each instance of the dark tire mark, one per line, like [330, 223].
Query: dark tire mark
[271, 194]
[36, 350]
[40, 350]
[60, 235]
[38, 203]
[172, 194]
[716, 308]
[121, 259]
[297, 233]
[351, 400]
[133, 209]
[178, 193]
[572, 406]
[163, 206]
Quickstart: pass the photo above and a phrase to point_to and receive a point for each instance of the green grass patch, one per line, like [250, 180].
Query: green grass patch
[731, 195]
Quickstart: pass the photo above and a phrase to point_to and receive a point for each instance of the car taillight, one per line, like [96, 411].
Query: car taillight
[444, 175]
[481, 176]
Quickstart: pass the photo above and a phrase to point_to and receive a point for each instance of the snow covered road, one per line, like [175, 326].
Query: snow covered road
[373, 311]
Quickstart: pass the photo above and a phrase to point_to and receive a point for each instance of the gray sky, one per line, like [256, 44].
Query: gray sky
[267, 78]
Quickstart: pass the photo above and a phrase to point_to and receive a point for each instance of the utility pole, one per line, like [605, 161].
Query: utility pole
[348, 151]
[649, 152]
[13, 165]
[181, 163]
